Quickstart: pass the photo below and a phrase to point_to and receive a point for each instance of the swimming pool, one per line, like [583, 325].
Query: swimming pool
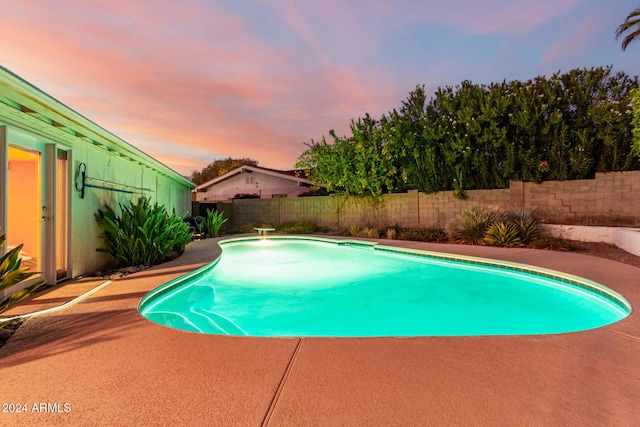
[299, 286]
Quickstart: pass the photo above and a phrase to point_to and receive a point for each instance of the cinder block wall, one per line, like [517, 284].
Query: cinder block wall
[611, 199]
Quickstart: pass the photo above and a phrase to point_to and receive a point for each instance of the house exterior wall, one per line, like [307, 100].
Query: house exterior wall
[30, 119]
[108, 166]
[251, 183]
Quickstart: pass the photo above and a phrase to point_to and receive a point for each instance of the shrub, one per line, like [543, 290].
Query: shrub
[423, 234]
[527, 221]
[12, 273]
[298, 227]
[370, 232]
[503, 234]
[214, 223]
[473, 224]
[548, 241]
[354, 230]
[143, 234]
[391, 234]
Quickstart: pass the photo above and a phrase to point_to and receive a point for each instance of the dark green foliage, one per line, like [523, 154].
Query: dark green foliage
[503, 234]
[298, 227]
[423, 234]
[220, 167]
[471, 136]
[215, 221]
[143, 234]
[635, 96]
[12, 273]
[362, 164]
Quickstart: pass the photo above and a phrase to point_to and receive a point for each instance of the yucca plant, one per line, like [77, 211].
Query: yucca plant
[354, 230]
[143, 234]
[12, 273]
[527, 221]
[473, 224]
[391, 234]
[215, 221]
[503, 234]
[370, 232]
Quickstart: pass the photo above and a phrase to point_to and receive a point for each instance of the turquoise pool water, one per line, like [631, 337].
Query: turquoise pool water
[306, 287]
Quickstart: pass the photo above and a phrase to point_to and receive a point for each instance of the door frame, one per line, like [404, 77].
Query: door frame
[49, 219]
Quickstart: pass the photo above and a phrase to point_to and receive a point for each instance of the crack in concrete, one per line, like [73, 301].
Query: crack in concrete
[626, 335]
[283, 380]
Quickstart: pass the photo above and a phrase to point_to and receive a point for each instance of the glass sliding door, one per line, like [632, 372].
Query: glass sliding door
[24, 210]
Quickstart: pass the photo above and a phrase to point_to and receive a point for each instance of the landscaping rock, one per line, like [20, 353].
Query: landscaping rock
[120, 272]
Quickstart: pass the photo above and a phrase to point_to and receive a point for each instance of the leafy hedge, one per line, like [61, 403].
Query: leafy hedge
[472, 136]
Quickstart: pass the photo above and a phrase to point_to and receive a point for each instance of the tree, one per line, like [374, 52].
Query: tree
[631, 25]
[569, 126]
[220, 167]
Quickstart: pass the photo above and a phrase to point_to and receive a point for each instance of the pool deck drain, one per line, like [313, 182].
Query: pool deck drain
[111, 366]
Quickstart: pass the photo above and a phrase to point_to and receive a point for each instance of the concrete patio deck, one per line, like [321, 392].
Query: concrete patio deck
[109, 366]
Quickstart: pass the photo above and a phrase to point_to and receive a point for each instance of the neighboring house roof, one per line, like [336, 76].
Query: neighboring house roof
[43, 110]
[293, 175]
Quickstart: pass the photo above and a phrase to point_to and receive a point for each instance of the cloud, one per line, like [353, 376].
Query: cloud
[576, 40]
[514, 17]
[187, 81]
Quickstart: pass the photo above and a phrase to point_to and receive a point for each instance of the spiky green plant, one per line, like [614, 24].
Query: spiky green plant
[12, 273]
[503, 234]
[391, 234]
[527, 221]
[473, 224]
[370, 232]
[215, 222]
[354, 230]
[142, 233]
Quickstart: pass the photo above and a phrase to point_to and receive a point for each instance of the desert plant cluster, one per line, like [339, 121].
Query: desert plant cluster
[142, 233]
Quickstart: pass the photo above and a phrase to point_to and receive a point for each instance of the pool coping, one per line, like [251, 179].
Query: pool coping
[118, 368]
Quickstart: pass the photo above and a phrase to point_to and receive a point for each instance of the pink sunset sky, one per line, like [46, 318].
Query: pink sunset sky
[195, 80]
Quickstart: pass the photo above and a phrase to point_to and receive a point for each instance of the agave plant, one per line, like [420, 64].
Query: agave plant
[391, 234]
[474, 223]
[527, 221]
[370, 232]
[215, 221]
[12, 273]
[143, 233]
[503, 234]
